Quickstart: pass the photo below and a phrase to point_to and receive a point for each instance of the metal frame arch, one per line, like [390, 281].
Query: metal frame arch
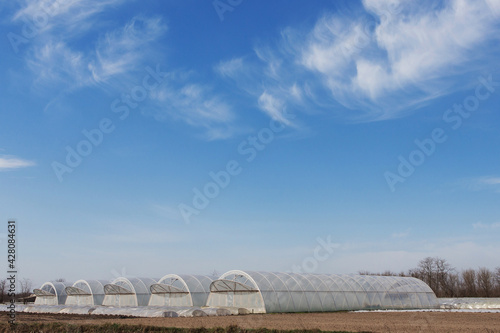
[129, 284]
[249, 280]
[178, 277]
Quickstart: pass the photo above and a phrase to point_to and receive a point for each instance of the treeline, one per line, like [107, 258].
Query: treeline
[447, 281]
[23, 289]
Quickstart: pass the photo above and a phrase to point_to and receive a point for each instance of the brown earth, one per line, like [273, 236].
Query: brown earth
[337, 321]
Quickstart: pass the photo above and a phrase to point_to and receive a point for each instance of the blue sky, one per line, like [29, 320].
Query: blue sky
[186, 136]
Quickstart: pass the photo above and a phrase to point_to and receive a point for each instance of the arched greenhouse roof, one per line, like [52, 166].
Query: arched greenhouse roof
[51, 293]
[181, 290]
[128, 291]
[86, 292]
[303, 292]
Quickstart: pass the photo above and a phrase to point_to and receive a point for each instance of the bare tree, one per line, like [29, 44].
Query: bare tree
[26, 286]
[439, 275]
[3, 285]
[469, 283]
[60, 280]
[415, 272]
[485, 281]
[497, 280]
[426, 272]
[388, 273]
[445, 281]
[446, 278]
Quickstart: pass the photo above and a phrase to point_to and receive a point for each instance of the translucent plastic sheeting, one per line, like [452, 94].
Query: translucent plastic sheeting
[44, 308]
[142, 311]
[86, 292]
[78, 309]
[128, 292]
[180, 290]
[470, 303]
[51, 293]
[19, 307]
[262, 292]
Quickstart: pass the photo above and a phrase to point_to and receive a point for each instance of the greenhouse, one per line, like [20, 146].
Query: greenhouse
[51, 293]
[86, 292]
[128, 292]
[265, 292]
[180, 290]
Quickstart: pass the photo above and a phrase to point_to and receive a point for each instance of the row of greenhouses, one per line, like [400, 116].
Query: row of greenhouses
[255, 292]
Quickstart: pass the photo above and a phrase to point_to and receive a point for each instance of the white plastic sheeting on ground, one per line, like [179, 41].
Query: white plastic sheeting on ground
[438, 310]
[163, 311]
[18, 308]
[139, 311]
[469, 303]
[78, 309]
[44, 308]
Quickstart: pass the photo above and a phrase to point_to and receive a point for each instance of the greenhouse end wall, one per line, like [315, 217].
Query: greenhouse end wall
[128, 292]
[86, 293]
[51, 293]
[181, 290]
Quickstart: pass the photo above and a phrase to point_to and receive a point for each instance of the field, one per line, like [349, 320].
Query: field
[338, 321]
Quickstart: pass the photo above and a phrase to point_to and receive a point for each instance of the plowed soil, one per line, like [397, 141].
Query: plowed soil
[338, 321]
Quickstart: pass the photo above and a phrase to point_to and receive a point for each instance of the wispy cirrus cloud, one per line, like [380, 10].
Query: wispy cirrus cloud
[74, 16]
[274, 107]
[59, 54]
[196, 104]
[55, 64]
[489, 226]
[60, 63]
[486, 183]
[383, 61]
[119, 50]
[8, 162]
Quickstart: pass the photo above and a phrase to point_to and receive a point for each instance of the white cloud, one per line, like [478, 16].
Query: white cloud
[480, 225]
[384, 61]
[414, 48]
[57, 55]
[488, 183]
[55, 63]
[13, 162]
[69, 17]
[195, 104]
[119, 51]
[490, 180]
[230, 68]
[274, 107]
[61, 63]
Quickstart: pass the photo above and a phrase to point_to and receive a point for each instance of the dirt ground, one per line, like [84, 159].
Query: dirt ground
[339, 321]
